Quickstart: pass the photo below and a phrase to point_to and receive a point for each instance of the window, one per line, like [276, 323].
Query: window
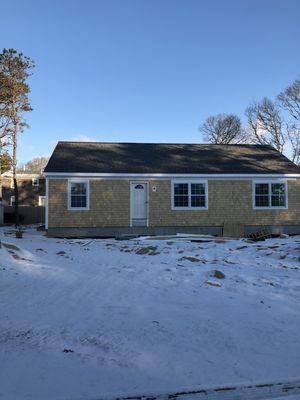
[181, 195]
[270, 195]
[261, 195]
[197, 195]
[12, 200]
[278, 195]
[35, 182]
[42, 201]
[189, 195]
[78, 195]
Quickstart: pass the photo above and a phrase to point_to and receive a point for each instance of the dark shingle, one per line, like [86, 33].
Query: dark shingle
[99, 157]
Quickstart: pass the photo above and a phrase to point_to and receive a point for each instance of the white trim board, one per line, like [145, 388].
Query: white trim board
[63, 175]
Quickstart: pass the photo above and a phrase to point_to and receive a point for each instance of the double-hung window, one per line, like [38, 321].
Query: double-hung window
[189, 195]
[78, 195]
[270, 195]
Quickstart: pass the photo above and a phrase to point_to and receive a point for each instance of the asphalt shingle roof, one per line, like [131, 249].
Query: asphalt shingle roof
[165, 158]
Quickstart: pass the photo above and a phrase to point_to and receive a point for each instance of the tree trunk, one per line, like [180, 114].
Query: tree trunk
[16, 192]
[16, 204]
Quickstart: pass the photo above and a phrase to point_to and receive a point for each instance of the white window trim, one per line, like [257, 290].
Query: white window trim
[269, 182]
[35, 184]
[12, 200]
[189, 182]
[78, 180]
[40, 198]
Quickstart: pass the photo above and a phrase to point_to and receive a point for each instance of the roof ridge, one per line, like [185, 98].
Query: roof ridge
[168, 143]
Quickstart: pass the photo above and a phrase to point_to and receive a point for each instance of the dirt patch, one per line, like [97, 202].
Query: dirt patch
[42, 250]
[17, 257]
[218, 274]
[212, 283]
[150, 250]
[68, 351]
[61, 253]
[191, 259]
[11, 246]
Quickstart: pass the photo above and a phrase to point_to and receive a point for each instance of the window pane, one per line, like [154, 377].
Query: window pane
[181, 201]
[74, 201]
[78, 201]
[261, 201]
[181, 188]
[198, 201]
[78, 188]
[278, 188]
[198, 188]
[261, 188]
[278, 201]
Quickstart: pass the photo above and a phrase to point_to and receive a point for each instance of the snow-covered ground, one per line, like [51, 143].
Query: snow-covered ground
[84, 320]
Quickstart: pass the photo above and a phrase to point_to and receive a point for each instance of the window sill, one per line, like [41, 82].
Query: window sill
[78, 209]
[189, 208]
[270, 208]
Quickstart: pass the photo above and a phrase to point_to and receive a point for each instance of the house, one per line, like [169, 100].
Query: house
[104, 189]
[32, 195]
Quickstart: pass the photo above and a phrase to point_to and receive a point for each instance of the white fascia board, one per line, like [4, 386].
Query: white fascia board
[166, 176]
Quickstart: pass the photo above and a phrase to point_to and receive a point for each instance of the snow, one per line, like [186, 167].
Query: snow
[86, 319]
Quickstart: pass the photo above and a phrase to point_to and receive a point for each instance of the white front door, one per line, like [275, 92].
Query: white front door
[139, 204]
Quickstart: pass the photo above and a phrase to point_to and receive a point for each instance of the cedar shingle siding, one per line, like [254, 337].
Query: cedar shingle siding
[229, 206]
[230, 201]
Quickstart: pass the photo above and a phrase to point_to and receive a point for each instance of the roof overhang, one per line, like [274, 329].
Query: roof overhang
[166, 176]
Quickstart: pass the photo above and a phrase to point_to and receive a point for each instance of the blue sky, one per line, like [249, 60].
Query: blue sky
[147, 70]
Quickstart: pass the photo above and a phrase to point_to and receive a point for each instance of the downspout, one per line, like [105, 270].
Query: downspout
[46, 208]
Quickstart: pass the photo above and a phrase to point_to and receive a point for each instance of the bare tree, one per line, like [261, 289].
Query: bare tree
[289, 99]
[223, 129]
[14, 89]
[37, 165]
[293, 134]
[266, 125]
